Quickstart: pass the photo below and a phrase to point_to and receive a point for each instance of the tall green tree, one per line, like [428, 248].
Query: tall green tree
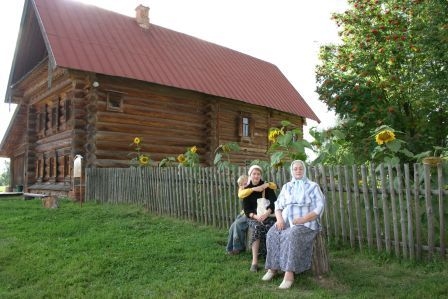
[5, 173]
[391, 68]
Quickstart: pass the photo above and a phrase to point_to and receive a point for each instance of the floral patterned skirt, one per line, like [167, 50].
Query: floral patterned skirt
[290, 249]
[259, 231]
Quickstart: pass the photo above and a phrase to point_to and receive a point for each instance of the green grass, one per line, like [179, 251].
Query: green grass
[121, 251]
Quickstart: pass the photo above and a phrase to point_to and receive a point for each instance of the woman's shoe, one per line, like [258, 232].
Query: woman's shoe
[254, 268]
[268, 276]
[286, 284]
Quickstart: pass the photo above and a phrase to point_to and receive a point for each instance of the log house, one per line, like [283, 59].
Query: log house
[90, 87]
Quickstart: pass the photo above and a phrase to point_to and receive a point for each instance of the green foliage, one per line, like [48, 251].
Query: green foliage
[265, 165]
[121, 251]
[5, 175]
[188, 159]
[390, 69]
[168, 162]
[287, 144]
[437, 151]
[389, 149]
[223, 153]
[332, 147]
[139, 158]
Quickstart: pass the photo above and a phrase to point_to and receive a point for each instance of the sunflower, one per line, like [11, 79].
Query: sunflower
[193, 149]
[181, 158]
[384, 136]
[137, 140]
[143, 160]
[274, 133]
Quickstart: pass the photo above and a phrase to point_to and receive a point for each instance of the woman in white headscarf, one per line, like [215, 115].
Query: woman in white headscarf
[290, 241]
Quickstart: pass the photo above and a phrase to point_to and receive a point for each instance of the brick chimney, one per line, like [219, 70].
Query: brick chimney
[142, 16]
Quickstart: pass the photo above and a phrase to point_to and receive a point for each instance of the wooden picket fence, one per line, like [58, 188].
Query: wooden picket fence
[397, 209]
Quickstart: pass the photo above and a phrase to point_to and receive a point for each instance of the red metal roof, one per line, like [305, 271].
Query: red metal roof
[88, 38]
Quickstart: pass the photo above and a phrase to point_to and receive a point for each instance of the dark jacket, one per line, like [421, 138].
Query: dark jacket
[250, 202]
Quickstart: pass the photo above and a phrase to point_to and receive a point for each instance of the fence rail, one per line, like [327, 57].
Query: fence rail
[399, 209]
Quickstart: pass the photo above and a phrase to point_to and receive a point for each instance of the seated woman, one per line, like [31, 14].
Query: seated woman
[237, 231]
[290, 241]
[259, 224]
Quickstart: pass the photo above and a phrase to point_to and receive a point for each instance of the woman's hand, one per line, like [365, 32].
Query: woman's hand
[298, 220]
[262, 217]
[307, 218]
[280, 224]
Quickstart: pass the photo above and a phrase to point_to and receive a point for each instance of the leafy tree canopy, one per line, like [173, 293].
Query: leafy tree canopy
[390, 69]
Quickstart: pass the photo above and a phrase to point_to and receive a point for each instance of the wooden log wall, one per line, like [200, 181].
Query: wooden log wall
[369, 208]
[46, 141]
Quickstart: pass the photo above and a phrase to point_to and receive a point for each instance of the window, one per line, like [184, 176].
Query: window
[67, 166]
[38, 121]
[39, 169]
[115, 101]
[47, 119]
[68, 110]
[52, 167]
[245, 126]
[54, 118]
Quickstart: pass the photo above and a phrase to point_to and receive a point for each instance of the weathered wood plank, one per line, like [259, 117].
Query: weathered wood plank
[411, 244]
[341, 204]
[333, 200]
[391, 179]
[417, 215]
[376, 214]
[429, 209]
[404, 244]
[442, 231]
[357, 207]
[349, 206]
[367, 208]
[386, 220]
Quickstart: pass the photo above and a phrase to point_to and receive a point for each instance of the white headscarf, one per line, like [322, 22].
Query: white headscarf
[254, 167]
[299, 184]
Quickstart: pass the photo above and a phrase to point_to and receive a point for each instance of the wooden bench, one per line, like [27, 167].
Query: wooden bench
[28, 196]
[319, 263]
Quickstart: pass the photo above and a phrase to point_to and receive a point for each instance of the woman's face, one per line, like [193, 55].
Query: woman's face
[298, 170]
[255, 176]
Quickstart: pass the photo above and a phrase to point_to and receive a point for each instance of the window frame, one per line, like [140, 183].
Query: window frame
[246, 130]
[114, 101]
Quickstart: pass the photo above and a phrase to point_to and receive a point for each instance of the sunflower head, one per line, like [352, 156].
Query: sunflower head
[143, 160]
[181, 158]
[137, 140]
[193, 149]
[274, 133]
[384, 136]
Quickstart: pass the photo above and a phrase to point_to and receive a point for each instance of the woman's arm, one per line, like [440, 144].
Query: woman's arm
[318, 200]
[307, 218]
[243, 193]
[270, 194]
[250, 205]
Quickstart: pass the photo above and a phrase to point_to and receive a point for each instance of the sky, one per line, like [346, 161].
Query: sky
[286, 33]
